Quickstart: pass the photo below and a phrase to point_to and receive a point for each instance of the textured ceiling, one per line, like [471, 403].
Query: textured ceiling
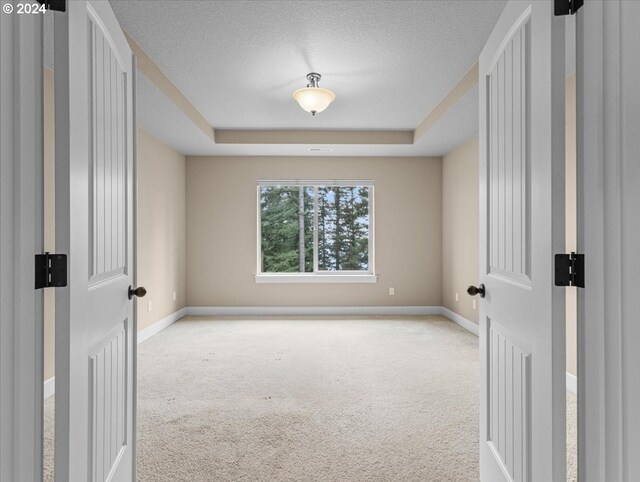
[389, 62]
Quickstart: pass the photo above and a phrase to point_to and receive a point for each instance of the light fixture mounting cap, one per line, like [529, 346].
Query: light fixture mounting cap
[313, 78]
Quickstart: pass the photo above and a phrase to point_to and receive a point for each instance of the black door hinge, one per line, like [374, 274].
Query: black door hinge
[51, 270]
[570, 270]
[566, 7]
[55, 5]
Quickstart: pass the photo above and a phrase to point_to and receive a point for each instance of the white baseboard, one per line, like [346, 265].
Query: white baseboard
[572, 383]
[311, 311]
[160, 325]
[49, 387]
[463, 322]
[332, 311]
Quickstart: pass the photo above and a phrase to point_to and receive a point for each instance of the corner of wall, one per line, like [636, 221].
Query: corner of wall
[161, 235]
[460, 226]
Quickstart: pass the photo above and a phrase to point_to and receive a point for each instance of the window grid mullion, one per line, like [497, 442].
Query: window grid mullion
[315, 229]
[371, 234]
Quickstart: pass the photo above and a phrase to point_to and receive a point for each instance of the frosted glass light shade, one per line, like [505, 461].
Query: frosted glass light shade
[314, 99]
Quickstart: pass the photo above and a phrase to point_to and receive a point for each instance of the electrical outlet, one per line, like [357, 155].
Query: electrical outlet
[456, 296]
[149, 306]
[392, 291]
[473, 303]
[174, 296]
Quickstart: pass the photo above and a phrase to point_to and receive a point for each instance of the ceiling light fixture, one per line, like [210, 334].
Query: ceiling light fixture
[312, 98]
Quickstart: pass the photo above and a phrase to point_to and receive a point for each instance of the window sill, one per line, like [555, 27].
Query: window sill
[316, 278]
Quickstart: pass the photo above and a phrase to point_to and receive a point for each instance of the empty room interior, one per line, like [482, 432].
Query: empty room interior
[308, 233]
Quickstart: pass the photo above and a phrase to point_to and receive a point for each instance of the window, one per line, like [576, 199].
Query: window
[315, 231]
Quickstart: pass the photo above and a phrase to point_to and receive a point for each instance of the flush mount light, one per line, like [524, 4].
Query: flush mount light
[312, 98]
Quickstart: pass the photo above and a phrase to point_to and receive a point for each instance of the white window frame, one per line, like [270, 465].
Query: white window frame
[317, 276]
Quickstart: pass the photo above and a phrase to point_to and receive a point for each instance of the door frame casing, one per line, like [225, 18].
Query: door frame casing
[21, 237]
[608, 234]
[134, 261]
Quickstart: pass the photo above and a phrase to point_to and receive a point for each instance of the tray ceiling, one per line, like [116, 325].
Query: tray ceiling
[389, 62]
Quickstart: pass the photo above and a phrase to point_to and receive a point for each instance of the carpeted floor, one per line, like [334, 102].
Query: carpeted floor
[386, 399]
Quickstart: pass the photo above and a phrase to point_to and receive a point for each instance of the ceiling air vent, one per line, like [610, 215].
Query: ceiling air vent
[320, 149]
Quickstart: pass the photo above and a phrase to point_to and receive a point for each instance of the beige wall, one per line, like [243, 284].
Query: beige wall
[460, 226]
[161, 229]
[49, 220]
[221, 231]
[571, 219]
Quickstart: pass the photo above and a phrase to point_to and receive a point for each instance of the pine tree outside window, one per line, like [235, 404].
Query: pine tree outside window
[315, 231]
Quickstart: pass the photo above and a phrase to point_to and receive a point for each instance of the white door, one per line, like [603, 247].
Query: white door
[522, 406]
[95, 325]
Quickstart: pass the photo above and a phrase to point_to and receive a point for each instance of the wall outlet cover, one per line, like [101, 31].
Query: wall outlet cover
[392, 291]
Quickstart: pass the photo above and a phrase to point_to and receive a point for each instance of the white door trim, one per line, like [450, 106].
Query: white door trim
[21, 237]
[608, 72]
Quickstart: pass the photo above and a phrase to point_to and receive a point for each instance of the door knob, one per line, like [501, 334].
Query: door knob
[473, 290]
[140, 291]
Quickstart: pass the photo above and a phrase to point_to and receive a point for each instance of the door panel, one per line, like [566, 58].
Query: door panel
[108, 129]
[108, 393]
[95, 324]
[509, 402]
[521, 226]
[508, 162]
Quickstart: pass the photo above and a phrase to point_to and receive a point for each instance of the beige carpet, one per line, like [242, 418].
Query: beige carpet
[388, 399]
